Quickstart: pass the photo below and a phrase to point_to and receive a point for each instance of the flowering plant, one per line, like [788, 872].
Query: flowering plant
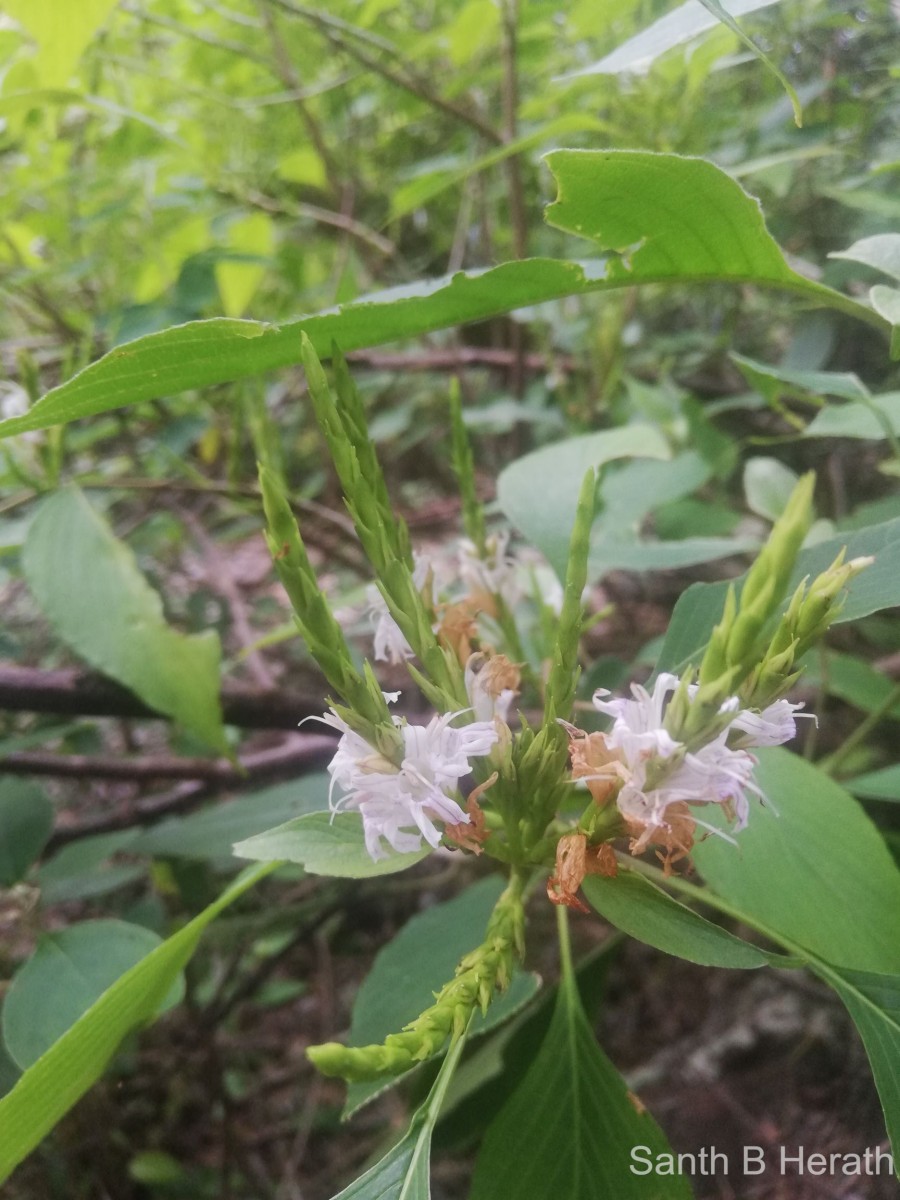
[552, 798]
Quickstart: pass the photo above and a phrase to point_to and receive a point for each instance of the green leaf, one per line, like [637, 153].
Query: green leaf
[881, 251]
[546, 514]
[682, 24]
[325, 844]
[774, 382]
[403, 1173]
[877, 785]
[675, 219]
[26, 821]
[69, 971]
[728, 20]
[668, 217]
[647, 913]
[50, 1087]
[210, 834]
[417, 963]
[873, 1002]
[83, 868]
[253, 239]
[62, 31]
[700, 607]
[858, 420]
[114, 620]
[817, 873]
[768, 484]
[569, 1128]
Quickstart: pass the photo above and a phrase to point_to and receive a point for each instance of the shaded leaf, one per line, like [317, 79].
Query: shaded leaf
[818, 873]
[647, 913]
[873, 1002]
[700, 607]
[69, 970]
[49, 1088]
[415, 965]
[211, 833]
[545, 514]
[26, 821]
[403, 1173]
[114, 620]
[570, 1127]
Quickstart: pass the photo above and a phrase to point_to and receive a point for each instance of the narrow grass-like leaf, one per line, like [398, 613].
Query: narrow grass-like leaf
[49, 1088]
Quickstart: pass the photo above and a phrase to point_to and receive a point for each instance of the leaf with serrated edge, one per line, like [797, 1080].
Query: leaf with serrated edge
[680, 219]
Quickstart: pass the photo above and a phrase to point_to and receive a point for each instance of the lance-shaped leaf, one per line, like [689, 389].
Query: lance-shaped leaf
[570, 1127]
[61, 1076]
[647, 913]
[812, 868]
[88, 584]
[665, 217]
[873, 1002]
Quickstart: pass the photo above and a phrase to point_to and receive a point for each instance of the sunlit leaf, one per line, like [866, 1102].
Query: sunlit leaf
[671, 219]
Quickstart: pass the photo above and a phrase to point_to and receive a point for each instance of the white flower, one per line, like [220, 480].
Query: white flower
[638, 726]
[494, 573]
[401, 803]
[390, 645]
[771, 727]
[659, 772]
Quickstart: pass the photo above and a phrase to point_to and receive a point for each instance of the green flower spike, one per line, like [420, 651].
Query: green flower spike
[481, 974]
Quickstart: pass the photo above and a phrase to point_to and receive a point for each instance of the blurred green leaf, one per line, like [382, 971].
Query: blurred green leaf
[682, 24]
[26, 822]
[768, 484]
[210, 834]
[114, 620]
